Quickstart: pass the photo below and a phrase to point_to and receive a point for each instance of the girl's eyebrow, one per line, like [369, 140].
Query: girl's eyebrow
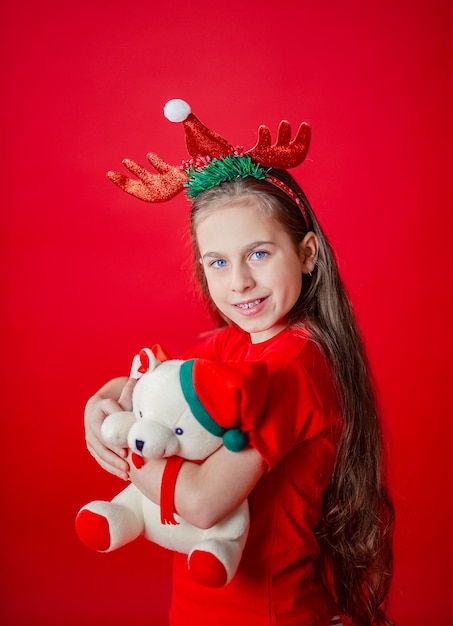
[255, 244]
[212, 255]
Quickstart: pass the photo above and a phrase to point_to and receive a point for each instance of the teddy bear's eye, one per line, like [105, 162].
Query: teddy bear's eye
[140, 413]
[179, 431]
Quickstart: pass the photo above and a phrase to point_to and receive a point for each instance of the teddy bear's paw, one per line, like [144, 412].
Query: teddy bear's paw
[207, 569]
[93, 530]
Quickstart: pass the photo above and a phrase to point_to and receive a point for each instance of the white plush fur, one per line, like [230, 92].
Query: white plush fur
[159, 411]
[177, 110]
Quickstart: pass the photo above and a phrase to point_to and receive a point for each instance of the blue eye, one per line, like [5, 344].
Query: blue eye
[179, 431]
[219, 263]
[258, 255]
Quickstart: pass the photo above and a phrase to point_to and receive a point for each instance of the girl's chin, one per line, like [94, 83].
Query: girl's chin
[260, 332]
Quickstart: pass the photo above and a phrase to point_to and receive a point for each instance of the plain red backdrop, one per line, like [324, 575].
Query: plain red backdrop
[90, 275]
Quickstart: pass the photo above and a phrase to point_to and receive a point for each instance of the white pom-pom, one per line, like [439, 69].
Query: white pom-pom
[177, 110]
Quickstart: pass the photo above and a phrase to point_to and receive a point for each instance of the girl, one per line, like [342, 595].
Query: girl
[321, 519]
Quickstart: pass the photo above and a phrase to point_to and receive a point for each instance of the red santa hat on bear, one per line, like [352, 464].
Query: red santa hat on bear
[225, 397]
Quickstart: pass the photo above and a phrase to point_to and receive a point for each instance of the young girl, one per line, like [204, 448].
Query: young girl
[321, 520]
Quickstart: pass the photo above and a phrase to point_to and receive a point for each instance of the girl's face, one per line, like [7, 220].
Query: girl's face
[253, 271]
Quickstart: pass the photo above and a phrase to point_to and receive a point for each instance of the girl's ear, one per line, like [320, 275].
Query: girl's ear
[309, 247]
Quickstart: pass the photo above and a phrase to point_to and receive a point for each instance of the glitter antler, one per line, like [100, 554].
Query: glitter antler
[203, 143]
[148, 186]
[284, 154]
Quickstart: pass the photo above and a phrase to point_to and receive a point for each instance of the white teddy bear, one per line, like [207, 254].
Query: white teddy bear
[182, 410]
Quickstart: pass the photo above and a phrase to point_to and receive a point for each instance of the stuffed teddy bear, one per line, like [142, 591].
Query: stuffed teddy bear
[182, 410]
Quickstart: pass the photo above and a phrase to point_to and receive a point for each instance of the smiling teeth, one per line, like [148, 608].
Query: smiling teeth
[248, 305]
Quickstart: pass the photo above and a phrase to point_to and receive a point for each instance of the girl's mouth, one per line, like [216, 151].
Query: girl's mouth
[252, 306]
[248, 305]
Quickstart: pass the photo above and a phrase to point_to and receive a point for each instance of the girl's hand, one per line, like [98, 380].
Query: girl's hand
[97, 408]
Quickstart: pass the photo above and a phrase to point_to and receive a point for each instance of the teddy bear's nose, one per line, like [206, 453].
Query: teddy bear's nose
[139, 444]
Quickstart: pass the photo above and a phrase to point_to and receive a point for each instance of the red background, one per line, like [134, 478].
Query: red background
[90, 275]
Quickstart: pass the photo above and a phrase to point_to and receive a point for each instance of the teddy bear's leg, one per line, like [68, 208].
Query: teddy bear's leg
[213, 563]
[106, 526]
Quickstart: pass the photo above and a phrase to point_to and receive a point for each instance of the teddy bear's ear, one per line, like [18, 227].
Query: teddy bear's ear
[143, 362]
[148, 362]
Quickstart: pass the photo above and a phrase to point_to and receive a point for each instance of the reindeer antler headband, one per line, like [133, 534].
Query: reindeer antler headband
[214, 160]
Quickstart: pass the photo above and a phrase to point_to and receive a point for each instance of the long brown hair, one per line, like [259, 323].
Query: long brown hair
[355, 532]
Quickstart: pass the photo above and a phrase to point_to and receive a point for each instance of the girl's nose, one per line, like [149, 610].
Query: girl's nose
[241, 279]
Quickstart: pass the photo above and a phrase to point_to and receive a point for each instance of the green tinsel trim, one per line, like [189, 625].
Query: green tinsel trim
[220, 170]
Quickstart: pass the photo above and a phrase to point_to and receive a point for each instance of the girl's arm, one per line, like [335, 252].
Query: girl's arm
[205, 493]
[100, 405]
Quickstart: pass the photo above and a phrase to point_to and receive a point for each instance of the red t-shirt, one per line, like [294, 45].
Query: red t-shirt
[276, 582]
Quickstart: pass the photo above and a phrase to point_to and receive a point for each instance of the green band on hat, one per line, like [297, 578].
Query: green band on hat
[186, 380]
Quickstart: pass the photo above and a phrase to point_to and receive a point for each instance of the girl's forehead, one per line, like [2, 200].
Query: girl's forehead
[236, 215]
[236, 226]
[236, 211]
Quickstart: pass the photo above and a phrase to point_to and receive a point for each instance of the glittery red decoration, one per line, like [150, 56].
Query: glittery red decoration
[202, 141]
[292, 194]
[151, 187]
[204, 145]
[284, 154]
